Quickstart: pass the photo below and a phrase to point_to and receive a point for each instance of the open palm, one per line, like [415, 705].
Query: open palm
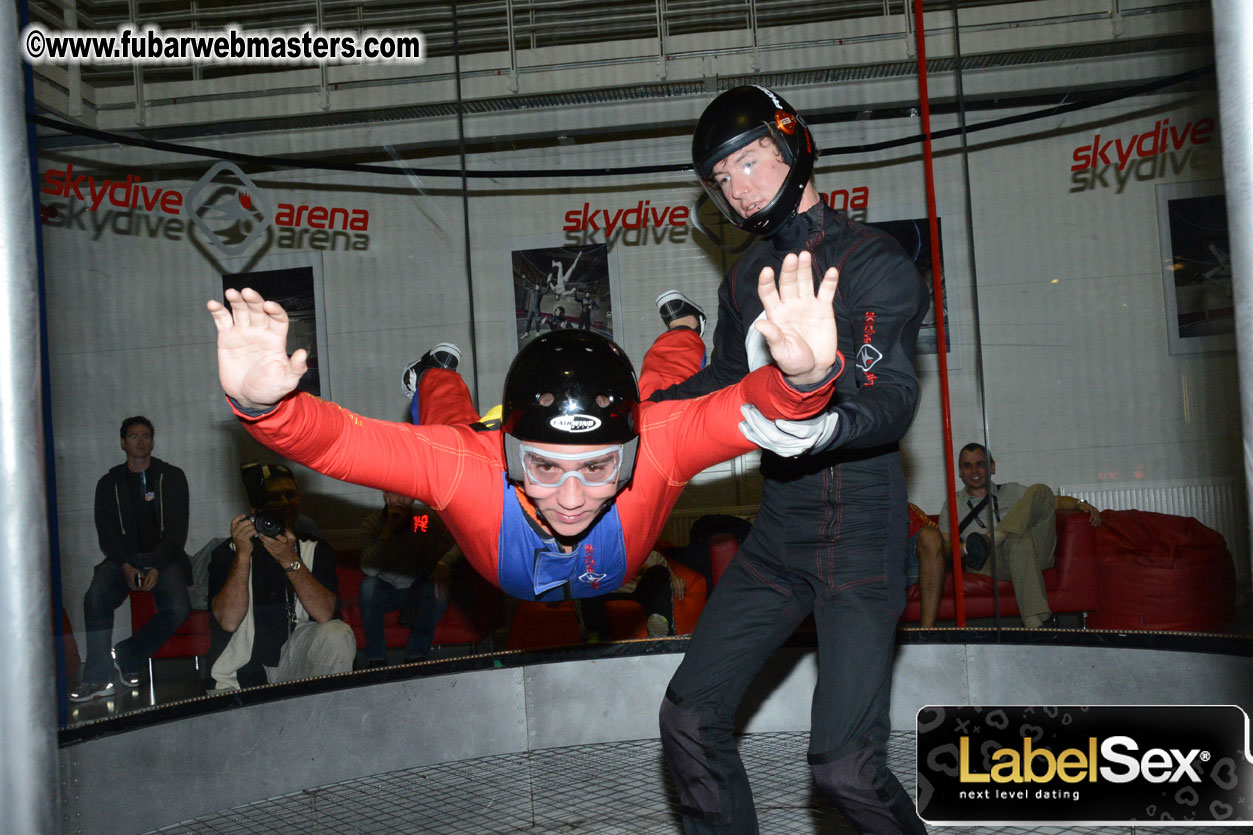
[253, 365]
[800, 322]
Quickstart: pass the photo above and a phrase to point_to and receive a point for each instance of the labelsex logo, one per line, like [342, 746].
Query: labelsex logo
[1073, 765]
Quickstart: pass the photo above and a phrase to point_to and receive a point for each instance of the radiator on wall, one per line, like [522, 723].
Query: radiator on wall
[1218, 505]
[679, 526]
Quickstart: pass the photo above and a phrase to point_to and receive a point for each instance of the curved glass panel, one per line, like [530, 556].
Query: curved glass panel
[1080, 235]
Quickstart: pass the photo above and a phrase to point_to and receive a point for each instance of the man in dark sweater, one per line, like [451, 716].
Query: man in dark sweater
[141, 523]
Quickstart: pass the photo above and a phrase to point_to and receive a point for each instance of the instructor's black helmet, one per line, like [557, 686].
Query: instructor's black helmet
[571, 387]
[737, 118]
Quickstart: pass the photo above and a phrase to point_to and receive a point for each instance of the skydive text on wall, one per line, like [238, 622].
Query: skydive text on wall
[132, 193]
[1164, 137]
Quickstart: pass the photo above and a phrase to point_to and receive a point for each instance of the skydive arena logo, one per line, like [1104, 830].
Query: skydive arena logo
[1107, 766]
[228, 208]
[224, 207]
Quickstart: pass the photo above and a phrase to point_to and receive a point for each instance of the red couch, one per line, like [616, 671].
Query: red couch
[190, 640]
[1071, 583]
[457, 626]
[1158, 571]
[537, 625]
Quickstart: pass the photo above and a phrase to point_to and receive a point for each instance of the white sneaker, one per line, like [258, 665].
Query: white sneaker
[443, 355]
[129, 679]
[89, 690]
[674, 305]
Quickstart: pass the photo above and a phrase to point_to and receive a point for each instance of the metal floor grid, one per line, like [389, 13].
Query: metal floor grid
[608, 789]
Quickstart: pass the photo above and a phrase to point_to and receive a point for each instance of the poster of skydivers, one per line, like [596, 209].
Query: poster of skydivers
[1201, 267]
[1196, 267]
[559, 288]
[915, 238]
[293, 288]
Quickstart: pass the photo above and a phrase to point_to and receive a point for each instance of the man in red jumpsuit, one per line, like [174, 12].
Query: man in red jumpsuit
[568, 497]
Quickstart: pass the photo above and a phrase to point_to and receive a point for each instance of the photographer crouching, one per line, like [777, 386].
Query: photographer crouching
[273, 593]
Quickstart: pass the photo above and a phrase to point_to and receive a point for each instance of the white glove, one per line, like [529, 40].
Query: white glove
[788, 438]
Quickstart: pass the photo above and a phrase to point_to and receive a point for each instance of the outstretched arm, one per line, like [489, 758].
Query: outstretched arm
[800, 331]
[253, 365]
[1071, 503]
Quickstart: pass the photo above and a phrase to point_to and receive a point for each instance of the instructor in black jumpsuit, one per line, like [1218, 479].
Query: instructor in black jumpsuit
[831, 532]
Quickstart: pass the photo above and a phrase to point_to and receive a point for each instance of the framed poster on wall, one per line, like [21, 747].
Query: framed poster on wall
[295, 282]
[562, 287]
[914, 236]
[1196, 267]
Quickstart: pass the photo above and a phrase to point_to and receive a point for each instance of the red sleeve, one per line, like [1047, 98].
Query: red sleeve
[454, 469]
[683, 437]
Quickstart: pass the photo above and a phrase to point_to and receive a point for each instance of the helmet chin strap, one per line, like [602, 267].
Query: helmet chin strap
[796, 229]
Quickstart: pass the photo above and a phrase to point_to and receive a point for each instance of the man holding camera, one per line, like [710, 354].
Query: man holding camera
[273, 593]
[141, 524]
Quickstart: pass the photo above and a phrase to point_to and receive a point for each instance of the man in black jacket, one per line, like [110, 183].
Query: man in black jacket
[141, 523]
[831, 533]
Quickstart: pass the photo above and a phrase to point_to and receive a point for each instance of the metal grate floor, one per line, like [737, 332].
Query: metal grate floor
[609, 789]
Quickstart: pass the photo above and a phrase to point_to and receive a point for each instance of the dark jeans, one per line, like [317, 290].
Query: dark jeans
[852, 583]
[108, 590]
[378, 597]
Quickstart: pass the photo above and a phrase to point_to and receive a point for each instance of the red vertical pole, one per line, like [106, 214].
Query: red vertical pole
[938, 293]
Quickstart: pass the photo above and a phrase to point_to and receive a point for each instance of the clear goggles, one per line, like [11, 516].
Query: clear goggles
[596, 468]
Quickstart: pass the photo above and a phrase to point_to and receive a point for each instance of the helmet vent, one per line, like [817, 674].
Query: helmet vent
[603, 400]
[546, 399]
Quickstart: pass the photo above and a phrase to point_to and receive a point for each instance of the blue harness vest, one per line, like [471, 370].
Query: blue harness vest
[532, 567]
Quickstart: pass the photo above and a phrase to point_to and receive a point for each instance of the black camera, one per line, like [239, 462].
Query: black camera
[268, 523]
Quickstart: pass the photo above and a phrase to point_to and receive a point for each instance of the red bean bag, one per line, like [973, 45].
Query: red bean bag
[1157, 571]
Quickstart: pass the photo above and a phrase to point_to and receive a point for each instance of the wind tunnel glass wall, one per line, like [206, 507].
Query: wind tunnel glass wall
[1087, 297]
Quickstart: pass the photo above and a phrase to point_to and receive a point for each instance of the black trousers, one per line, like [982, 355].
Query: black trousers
[847, 569]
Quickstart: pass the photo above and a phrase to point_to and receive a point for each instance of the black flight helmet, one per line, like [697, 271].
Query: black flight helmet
[737, 118]
[571, 387]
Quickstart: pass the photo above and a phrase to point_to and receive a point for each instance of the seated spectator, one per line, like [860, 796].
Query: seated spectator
[408, 559]
[141, 523]
[704, 533]
[1012, 523]
[655, 587]
[273, 593]
[924, 563]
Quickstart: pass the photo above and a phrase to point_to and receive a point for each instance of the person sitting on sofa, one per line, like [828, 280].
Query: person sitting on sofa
[1011, 522]
[407, 556]
[655, 587]
[273, 594]
[924, 564]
